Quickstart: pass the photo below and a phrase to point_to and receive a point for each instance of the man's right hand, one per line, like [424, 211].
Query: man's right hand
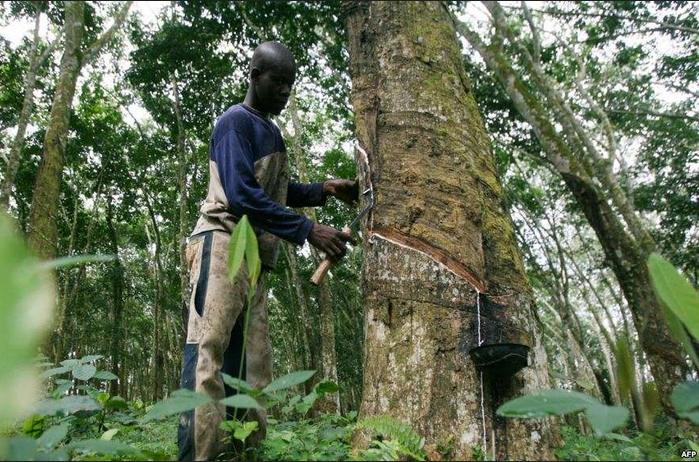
[329, 240]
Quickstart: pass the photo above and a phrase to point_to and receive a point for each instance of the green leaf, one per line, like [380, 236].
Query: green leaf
[104, 375]
[179, 401]
[240, 430]
[109, 434]
[116, 402]
[55, 371]
[104, 447]
[90, 358]
[102, 397]
[70, 362]
[546, 403]
[67, 405]
[33, 425]
[78, 260]
[604, 418]
[84, 371]
[238, 384]
[692, 415]
[677, 293]
[27, 298]
[651, 399]
[306, 403]
[288, 381]
[325, 387]
[56, 454]
[685, 398]
[626, 381]
[617, 437]
[236, 248]
[54, 435]
[241, 401]
[252, 255]
[680, 334]
[19, 448]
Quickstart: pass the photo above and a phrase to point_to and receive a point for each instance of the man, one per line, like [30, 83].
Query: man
[248, 176]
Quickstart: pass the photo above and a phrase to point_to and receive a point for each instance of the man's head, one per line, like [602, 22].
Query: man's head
[272, 74]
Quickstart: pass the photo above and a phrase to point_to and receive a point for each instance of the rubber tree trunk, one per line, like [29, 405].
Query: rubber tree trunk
[13, 159]
[441, 247]
[42, 231]
[158, 359]
[182, 162]
[628, 261]
[116, 317]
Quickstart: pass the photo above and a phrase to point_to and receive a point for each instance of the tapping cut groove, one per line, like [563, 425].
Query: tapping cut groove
[436, 254]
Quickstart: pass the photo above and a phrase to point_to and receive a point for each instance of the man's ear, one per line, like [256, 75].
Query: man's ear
[254, 74]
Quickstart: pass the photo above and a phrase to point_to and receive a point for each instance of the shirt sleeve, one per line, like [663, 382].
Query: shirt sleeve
[234, 158]
[305, 195]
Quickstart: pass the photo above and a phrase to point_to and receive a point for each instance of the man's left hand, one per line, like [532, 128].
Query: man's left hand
[345, 190]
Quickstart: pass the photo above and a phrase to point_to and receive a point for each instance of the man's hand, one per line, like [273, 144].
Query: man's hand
[329, 240]
[345, 190]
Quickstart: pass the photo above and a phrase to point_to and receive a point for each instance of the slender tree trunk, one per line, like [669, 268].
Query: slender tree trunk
[13, 159]
[441, 258]
[182, 184]
[157, 356]
[42, 230]
[327, 335]
[117, 335]
[71, 286]
[42, 221]
[313, 359]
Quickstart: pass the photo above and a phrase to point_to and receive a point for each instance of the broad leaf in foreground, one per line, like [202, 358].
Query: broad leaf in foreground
[288, 381]
[180, 401]
[241, 402]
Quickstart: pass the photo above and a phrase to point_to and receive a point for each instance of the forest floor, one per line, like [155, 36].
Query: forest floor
[84, 422]
[327, 437]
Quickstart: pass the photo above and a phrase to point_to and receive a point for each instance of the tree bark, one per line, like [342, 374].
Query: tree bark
[158, 309]
[42, 229]
[42, 222]
[441, 258]
[117, 277]
[182, 184]
[13, 158]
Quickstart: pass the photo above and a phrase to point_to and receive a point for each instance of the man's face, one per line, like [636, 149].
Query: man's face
[273, 86]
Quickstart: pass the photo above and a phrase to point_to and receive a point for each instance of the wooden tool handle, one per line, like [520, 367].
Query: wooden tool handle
[325, 265]
[322, 270]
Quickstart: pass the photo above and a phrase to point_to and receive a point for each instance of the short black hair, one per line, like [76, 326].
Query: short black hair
[269, 53]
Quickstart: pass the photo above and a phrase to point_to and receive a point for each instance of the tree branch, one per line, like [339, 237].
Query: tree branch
[108, 35]
[535, 32]
[646, 112]
[664, 25]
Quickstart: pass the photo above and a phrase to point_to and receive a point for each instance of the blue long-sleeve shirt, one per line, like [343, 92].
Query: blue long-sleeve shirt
[249, 175]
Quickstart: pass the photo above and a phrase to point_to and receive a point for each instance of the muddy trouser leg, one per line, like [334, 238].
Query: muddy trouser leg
[215, 305]
[258, 356]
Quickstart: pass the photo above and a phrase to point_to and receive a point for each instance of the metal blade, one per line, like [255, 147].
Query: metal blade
[370, 192]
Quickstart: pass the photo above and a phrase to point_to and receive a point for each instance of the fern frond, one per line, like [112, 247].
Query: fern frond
[409, 442]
